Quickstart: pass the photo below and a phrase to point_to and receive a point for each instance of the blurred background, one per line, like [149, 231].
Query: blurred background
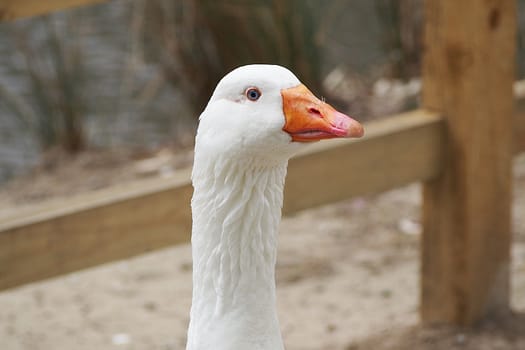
[135, 75]
[99, 95]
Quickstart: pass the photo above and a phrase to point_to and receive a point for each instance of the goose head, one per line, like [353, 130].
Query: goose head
[264, 113]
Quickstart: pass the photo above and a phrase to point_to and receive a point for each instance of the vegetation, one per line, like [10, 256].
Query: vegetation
[197, 41]
[401, 22]
[54, 108]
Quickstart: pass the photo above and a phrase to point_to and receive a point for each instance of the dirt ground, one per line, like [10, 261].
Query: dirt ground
[347, 278]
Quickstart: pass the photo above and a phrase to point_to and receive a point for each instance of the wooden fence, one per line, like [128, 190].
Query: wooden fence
[460, 146]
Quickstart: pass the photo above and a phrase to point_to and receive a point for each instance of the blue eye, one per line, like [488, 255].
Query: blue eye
[253, 94]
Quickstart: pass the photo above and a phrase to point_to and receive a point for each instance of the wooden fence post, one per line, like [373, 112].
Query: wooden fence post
[468, 72]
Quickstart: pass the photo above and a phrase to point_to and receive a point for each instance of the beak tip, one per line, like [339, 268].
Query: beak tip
[356, 130]
[353, 127]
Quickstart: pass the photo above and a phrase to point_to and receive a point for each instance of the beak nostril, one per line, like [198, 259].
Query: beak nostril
[315, 111]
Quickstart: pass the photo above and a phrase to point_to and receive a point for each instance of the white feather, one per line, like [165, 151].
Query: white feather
[241, 155]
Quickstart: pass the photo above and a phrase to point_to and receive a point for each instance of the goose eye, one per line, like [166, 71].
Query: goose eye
[253, 94]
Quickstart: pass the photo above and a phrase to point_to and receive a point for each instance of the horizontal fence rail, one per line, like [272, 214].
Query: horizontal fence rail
[58, 237]
[14, 9]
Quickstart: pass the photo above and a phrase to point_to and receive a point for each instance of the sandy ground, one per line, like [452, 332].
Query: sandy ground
[347, 278]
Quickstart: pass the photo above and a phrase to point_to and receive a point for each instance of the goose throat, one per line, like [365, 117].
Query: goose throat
[236, 213]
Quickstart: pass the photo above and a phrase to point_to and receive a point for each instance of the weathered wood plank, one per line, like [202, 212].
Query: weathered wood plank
[519, 116]
[60, 237]
[468, 73]
[519, 132]
[14, 9]
[93, 229]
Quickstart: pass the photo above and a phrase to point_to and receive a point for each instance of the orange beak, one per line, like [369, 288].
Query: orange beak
[309, 119]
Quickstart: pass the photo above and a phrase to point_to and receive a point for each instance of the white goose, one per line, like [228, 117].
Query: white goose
[256, 119]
